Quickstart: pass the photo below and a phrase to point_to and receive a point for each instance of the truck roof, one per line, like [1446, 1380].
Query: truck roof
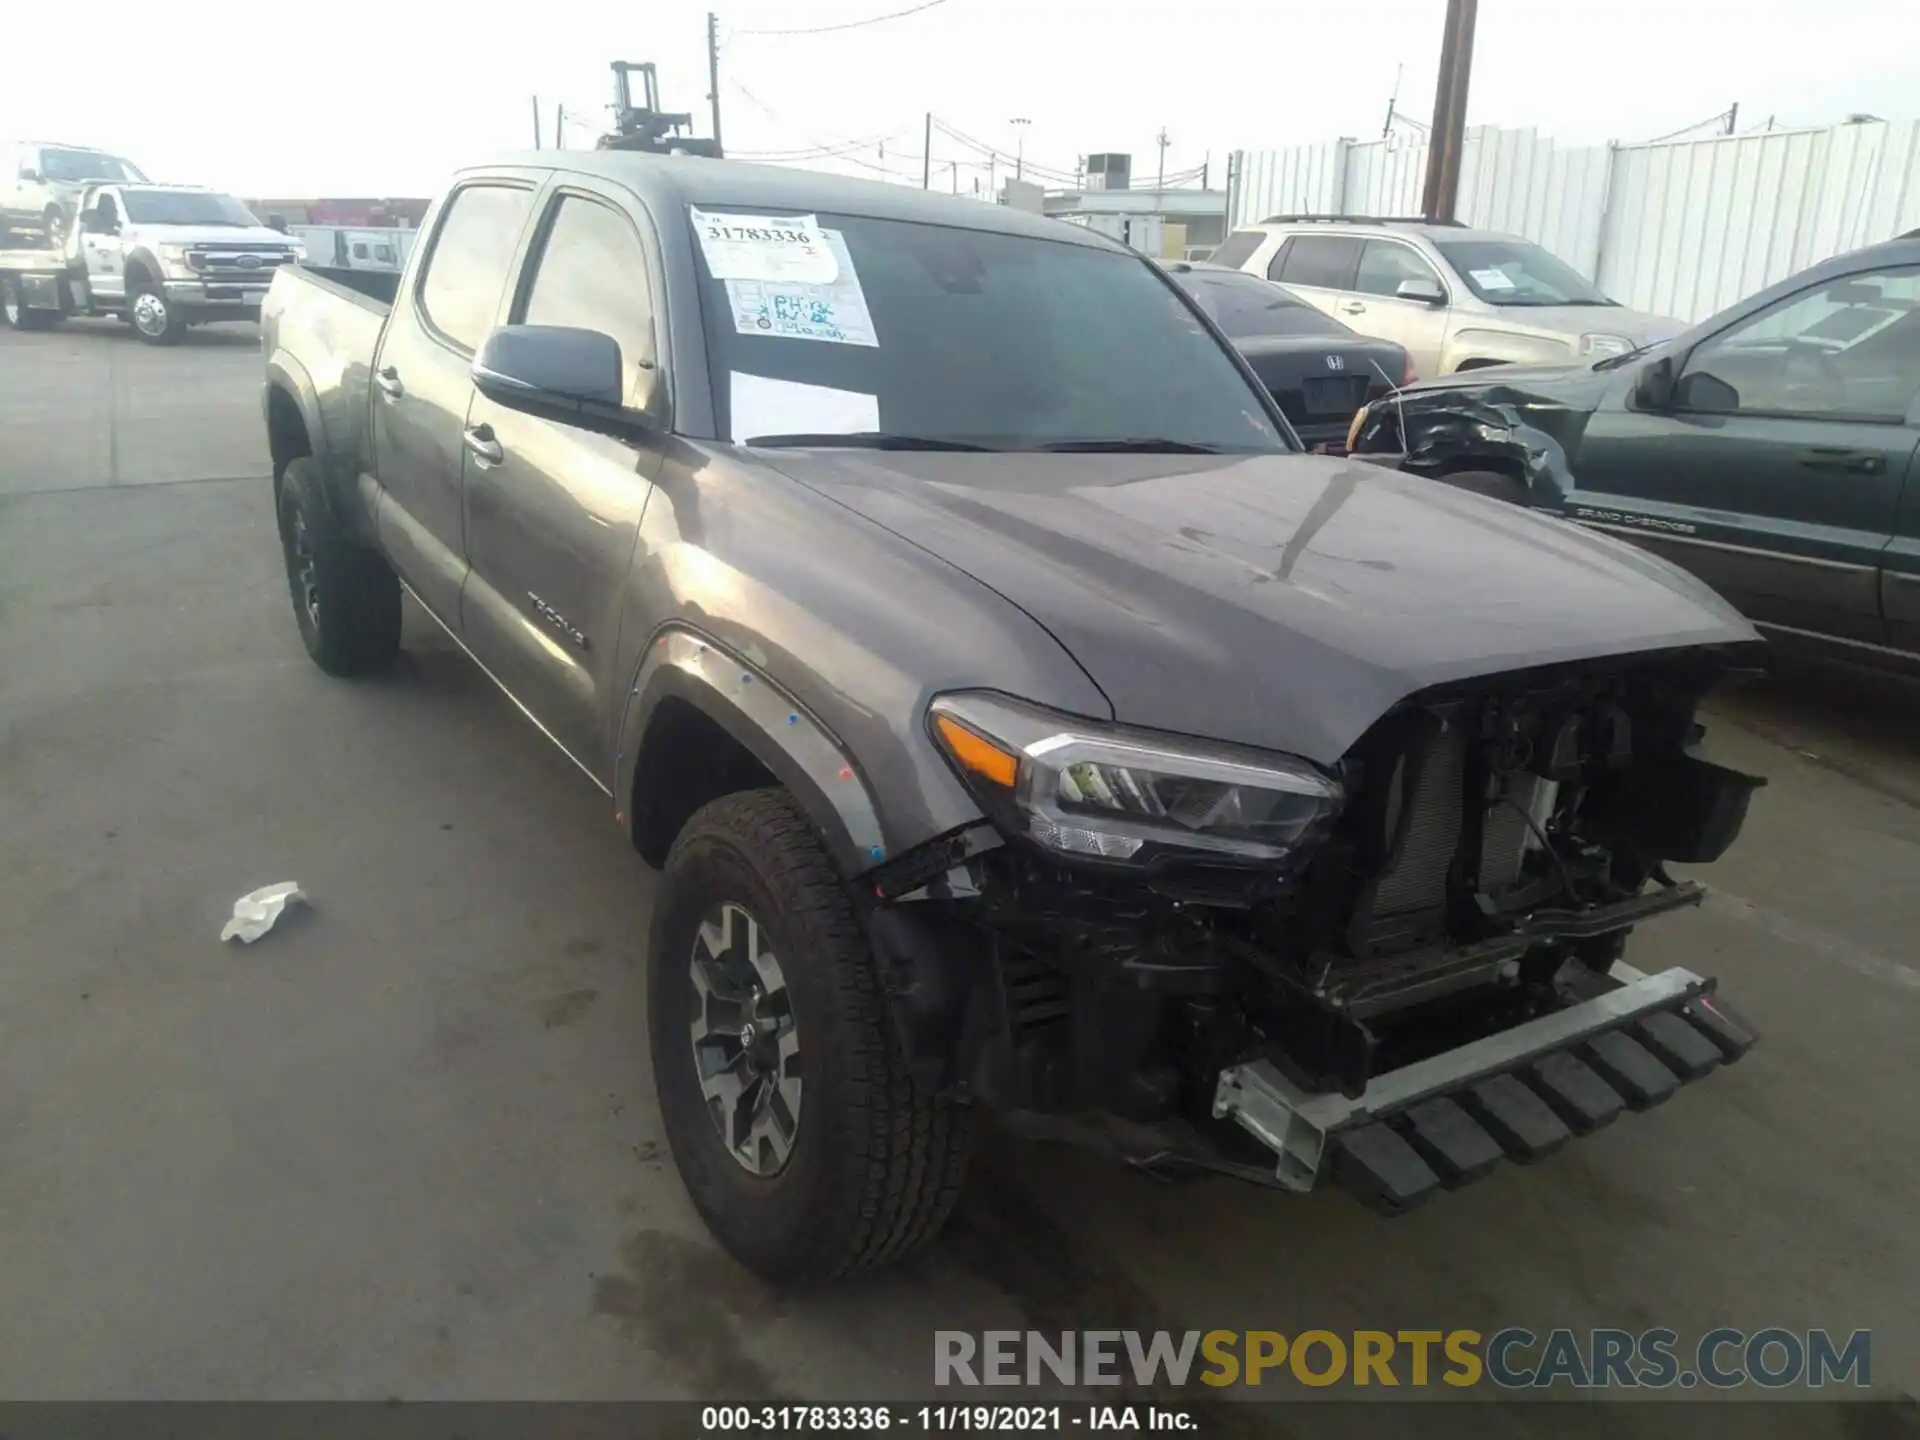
[668, 181]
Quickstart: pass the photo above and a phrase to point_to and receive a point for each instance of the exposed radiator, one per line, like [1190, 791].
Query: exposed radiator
[1417, 880]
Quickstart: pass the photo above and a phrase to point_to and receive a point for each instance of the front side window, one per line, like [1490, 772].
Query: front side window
[592, 275]
[1244, 306]
[1238, 248]
[1846, 349]
[1324, 261]
[186, 207]
[982, 338]
[472, 254]
[1517, 272]
[1384, 264]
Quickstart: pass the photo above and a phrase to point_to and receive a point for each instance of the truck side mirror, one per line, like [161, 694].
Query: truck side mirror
[1654, 389]
[559, 373]
[1427, 292]
[29, 174]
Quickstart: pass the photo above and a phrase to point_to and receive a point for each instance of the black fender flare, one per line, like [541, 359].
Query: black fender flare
[143, 257]
[339, 482]
[794, 745]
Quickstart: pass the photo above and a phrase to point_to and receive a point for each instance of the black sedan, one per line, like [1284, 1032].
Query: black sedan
[1320, 371]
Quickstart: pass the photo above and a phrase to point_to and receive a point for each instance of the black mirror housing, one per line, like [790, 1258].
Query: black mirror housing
[559, 373]
[1654, 389]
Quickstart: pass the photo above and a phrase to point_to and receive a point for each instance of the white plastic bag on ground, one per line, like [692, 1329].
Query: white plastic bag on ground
[254, 914]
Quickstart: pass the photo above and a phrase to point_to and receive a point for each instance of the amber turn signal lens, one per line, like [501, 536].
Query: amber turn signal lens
[976, 753]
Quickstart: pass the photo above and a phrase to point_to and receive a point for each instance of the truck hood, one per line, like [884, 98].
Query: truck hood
[1283, 601]
[213, 236]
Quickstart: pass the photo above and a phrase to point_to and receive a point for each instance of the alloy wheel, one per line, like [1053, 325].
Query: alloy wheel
[746, 1044]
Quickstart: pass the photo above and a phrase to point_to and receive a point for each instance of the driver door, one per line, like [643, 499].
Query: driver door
[1775, 474]
[101, 248]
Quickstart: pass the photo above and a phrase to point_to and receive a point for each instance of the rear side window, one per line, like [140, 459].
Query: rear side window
[468, 267]
[1238, 248]
[1324, 260]
[592, 275]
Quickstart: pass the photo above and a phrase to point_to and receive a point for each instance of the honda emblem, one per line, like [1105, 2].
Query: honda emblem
[1336, 362]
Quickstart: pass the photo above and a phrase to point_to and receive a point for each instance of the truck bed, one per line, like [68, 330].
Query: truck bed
[323, 332]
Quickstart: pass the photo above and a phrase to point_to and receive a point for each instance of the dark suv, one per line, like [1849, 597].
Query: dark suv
[1773, 450]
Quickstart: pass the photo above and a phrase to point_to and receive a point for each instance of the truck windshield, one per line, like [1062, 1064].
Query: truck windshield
[85, 165]
[185, 207]
[938, 334]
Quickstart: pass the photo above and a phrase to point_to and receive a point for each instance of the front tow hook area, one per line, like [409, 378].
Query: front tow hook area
[1519, 1095]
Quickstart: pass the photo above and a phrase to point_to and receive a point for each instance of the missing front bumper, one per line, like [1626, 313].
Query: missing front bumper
[1518, 1095]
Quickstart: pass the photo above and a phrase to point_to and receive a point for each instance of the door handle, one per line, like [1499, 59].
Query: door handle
[1353, 307]
[1833, 457]
[388, 380]
[479, 439]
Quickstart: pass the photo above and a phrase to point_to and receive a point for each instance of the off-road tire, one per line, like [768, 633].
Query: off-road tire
[1491, 483]
[353, 626]
[877, 1159]
[175, 323]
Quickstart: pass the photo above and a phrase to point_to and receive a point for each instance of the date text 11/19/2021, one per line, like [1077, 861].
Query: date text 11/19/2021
[945, 1419]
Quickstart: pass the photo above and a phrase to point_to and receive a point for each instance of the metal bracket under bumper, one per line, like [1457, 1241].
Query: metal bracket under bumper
[1519, 1094]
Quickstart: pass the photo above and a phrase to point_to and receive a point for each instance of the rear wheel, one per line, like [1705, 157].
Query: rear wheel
[346, 599]
[806, 1145]
[15, 311]
[156, 320]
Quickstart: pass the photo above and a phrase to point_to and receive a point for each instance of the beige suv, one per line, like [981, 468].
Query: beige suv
[1456, 298]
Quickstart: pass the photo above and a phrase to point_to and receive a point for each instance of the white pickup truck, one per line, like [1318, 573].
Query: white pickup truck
[161, 257]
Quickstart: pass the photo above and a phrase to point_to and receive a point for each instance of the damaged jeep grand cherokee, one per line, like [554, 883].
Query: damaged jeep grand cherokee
[1021, 722]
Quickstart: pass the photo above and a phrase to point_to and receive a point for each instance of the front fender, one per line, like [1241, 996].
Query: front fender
[1496, 427]
[781, 733]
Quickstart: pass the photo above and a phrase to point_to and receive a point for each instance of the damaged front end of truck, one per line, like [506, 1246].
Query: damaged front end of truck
[1389, 973]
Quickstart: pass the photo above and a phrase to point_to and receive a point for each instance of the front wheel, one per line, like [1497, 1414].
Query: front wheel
[156, 320]
[1491, 483]
[807, 1146]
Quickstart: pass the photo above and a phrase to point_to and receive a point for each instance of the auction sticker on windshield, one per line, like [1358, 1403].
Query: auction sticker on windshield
[764, 247]
[835, 313]
[1491, 279]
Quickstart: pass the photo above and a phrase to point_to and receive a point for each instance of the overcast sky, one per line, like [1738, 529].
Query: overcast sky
[353, 97]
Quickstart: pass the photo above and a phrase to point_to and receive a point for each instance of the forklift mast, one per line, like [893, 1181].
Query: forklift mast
[645, 126]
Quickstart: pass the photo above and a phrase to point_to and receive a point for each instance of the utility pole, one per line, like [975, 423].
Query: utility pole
[1733, 116]
[1449, 134]
[1160, 182]
[536, 122]
[926, 155]
[713, 73]
[1019, 146]
[559, 125]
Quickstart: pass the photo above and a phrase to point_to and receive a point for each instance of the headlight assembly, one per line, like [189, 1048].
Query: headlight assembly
[1601, 345]
[1103, 792]
[174, 259]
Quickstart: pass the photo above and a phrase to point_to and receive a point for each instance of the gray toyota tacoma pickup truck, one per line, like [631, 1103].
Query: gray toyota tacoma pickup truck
[1020, 721]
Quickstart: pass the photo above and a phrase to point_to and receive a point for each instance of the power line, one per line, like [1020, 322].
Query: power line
[845, 25]
[836, 151]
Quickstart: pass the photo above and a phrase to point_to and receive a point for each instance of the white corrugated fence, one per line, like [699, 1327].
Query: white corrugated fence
[1681, 227]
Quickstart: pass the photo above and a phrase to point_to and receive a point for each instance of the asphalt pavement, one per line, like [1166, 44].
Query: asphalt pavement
[405, 1146]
